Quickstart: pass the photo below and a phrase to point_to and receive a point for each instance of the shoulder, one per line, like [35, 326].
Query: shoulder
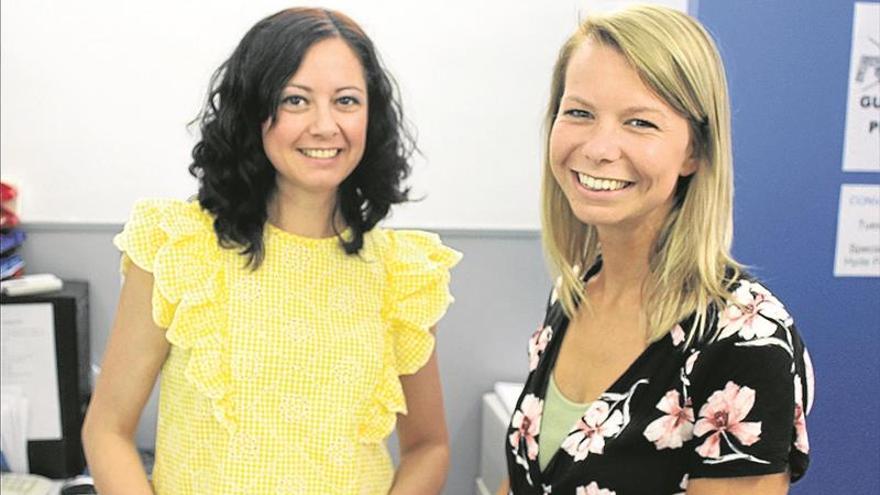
[164, 206]
[174, 241]
[155, 224]
[753, 367]
[417, 296]
[754, 343]
[168, 216]
[752, 312]
[412, 247]
[752, 327]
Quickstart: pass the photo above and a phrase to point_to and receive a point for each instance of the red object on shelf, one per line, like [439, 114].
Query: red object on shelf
[7, 192]
[8, 218]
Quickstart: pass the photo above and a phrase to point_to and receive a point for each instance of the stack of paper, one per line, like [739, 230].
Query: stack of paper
[14, 428]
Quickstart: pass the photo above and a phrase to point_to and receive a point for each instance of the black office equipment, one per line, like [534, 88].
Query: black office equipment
[64, 458]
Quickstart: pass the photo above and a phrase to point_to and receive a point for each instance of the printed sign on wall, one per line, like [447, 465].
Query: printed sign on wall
[858, 231]
[861, 148]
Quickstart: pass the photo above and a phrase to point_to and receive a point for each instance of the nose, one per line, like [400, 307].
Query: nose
[324, 123]
[601, 144]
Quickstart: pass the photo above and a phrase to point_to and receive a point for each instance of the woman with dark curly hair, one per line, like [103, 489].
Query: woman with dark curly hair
[292, 333]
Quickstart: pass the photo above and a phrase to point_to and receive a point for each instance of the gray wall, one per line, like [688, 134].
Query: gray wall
[500, 287]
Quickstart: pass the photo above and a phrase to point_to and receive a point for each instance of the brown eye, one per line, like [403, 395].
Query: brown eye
[294, 100]
[348, 101]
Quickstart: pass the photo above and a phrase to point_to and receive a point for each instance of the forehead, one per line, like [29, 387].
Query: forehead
[330, 62]
[598, 71]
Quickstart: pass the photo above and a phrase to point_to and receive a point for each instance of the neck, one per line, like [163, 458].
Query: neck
[303, 214]
[625, 265]
[626, 255]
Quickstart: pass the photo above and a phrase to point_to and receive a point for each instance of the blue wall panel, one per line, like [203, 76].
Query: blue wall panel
[788, 66]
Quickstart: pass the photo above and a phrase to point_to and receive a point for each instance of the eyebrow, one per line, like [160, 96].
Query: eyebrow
[628, 110]
[644, 109]
[307, 88]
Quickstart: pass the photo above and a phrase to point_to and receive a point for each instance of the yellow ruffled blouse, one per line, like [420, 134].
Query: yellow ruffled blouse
[284, 380]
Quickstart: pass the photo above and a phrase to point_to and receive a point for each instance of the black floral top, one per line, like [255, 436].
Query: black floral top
[732, 405]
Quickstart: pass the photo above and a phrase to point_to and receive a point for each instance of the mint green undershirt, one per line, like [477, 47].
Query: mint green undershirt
[558, 417]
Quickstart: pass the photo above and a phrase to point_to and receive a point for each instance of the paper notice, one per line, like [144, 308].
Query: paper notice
[858, 232]
[861, 148]
[28, 361]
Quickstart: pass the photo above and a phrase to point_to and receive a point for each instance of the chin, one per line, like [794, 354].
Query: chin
[591, 215]
[330, 187]
[314, 184]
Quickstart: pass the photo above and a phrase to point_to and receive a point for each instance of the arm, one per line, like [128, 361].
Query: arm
[132, 361]
[504, 488]
[424, 442]
[770, 484]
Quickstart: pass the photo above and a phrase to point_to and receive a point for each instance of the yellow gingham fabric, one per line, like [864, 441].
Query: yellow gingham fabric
[283, 380]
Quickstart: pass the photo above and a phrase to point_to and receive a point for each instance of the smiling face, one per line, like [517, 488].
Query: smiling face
[319, 133]
[616, 149]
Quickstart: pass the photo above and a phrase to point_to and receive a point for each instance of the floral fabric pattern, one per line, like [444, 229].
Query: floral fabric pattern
[593, 489]
[591, 430]
[676, 427]
[527, 421]
[537, 344]
[733, 403]
[752, 313]
[722, 416]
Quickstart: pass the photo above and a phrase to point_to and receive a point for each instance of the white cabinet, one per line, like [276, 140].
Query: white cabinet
[497, 407]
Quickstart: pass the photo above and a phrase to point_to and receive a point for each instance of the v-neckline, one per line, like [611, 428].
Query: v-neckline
[553, 350]
[543, 385]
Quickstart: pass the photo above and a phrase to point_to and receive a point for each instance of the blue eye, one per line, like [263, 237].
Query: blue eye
[578, 113]
[642, 123]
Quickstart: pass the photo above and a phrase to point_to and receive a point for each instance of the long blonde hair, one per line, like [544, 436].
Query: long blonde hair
[675, 57]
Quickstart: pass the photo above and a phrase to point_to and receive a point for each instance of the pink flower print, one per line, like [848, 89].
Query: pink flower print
[677, 334]
[527, 421]
[676, 427]
[591, 431]
[537, 344]
[753, 312]
[593, 489]
[723, 413]
[801, 440]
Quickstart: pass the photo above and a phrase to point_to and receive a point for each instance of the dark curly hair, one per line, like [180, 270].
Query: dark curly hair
[237, 180]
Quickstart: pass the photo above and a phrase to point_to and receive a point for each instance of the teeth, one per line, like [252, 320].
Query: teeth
[320, 153]
[601, 184]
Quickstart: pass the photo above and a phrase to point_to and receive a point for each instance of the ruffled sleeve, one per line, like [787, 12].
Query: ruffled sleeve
[141, 237]
[140, 241]
[175, 241]
[417, 296]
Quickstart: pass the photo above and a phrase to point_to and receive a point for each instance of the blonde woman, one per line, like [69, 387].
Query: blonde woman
[661, 366]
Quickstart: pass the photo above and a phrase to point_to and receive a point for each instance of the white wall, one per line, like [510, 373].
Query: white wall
[96, 96]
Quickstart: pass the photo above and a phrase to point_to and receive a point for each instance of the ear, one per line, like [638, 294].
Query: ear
[689, 167]
[266, 125]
